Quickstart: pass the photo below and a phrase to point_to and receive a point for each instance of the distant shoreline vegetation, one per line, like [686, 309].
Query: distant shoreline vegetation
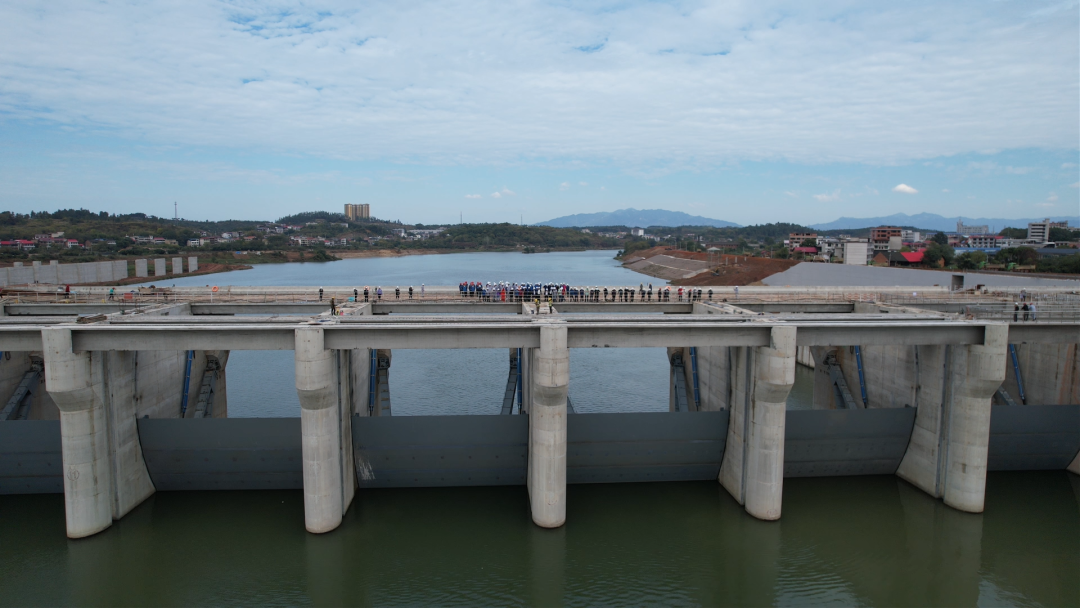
[79, 235]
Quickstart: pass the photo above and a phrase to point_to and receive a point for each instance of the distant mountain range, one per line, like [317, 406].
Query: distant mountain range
[933, 221]
[640, 218]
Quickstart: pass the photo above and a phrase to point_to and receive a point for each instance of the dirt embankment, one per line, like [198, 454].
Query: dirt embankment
[686, 268]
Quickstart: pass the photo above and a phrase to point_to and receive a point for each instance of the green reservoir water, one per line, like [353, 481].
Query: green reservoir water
[873, 541]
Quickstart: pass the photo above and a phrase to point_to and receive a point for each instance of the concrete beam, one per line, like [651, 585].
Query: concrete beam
[268, 308]
[624, 307]
[645, 335]
[1044, 333]
[910, 334]
[43, 310]
[796, 307]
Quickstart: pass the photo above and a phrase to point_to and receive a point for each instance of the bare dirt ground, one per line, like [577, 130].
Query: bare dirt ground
[732, 270]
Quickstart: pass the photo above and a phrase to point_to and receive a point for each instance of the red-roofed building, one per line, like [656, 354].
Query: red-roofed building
[898, 258]
[806, 250]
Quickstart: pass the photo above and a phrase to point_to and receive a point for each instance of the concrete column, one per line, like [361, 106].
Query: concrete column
[977, 372]
[774, 375]
[98, 397]
[753, 467]
[947, 453]
[320, 421]
[140, 268]
[550, 379]
[192, 263]
[159, 267]
[84, 440]
[178, 265]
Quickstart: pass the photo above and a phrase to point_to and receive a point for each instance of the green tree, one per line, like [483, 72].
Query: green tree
[1064, 234]
[937, 252]
[970, 260]
[940, 238]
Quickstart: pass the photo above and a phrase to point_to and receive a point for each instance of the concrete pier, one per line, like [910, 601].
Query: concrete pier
[104, 473]
[550, 379]
[947, 454]
[753, 466]
[320, 423]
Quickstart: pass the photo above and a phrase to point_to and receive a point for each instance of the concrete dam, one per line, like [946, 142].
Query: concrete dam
[109, 401]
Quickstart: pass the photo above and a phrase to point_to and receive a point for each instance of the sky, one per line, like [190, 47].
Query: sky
[432, 112]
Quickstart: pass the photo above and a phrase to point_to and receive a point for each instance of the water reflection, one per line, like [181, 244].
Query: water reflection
[852, 541]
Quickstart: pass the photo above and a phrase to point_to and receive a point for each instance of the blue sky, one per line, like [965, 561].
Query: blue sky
[745, 111]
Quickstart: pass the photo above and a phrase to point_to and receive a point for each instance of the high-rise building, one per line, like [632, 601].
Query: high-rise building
[358, 212]
[961, 228]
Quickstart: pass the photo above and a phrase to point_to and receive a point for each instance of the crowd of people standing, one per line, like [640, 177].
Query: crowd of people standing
[508, 291]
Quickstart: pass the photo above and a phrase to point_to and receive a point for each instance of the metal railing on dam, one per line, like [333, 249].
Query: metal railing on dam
[931, 410]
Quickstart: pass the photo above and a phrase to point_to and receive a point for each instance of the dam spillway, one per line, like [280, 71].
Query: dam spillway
[927, 388]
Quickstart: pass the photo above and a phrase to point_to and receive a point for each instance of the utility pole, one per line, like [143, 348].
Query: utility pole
[175, 215]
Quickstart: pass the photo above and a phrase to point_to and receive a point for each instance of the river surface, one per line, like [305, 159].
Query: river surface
[873, 541]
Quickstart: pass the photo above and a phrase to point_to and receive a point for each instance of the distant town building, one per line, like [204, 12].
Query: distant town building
[358, 212]
[1039, 232]
[911, 236]
[637, 231]
[856, 253]
[969, 230]
[879, 237]
[795, 239]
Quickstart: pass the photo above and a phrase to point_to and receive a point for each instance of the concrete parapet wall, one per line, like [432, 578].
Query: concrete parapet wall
[46, 273]
[140, 268]
[159, 267]
[63, 274]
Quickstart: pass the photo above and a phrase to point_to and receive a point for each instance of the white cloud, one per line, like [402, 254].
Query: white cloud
[583, 183]
[502, 193]
[1053, 197]
[791, 194]
[1045, 205]
[904, 189]
[946, 190]
[632, 82]
[1074, 185]
[472, 196]
[827, 198]
[564, 186]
